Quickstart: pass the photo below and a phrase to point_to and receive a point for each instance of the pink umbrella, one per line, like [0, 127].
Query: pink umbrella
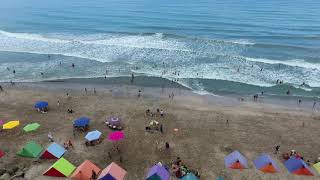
[116, 136]
[1, 122]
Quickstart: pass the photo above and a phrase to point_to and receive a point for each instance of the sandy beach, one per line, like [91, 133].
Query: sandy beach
[202, 141]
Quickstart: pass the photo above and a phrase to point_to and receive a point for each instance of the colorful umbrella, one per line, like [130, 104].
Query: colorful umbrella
[1, 122]
[31, 127]
[41, 104]
[11, 124]
[81, 122]
[116, 136]
[93, 135]
[2, 153]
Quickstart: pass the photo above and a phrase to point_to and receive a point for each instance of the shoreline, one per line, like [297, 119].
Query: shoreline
[160, 88]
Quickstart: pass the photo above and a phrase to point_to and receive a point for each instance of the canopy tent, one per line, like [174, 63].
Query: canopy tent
[93, 135]
[298, 167]
[2, 153]
[266, 164]
[41, 104]
[54, 151]
[235, 160]
[189, 176]
[31, 127]
[11, 124]
[112, 172]
[31, 149]
[116, 136]
[84, 171]
[158, 172]
[81, 122]
[317, 167]
[61, 168]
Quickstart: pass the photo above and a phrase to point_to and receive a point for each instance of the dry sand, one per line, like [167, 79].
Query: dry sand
[202, 141]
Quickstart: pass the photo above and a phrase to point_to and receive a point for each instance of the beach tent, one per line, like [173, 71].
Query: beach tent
[235, 160]
[2, 153]
[11, 124]
[266, 164]
[298, 167]
[54, 151]
[220, 178]
[317, 167]
[31, 127]
[189, 176]
[112, 172]
[84, 171]
[81, 122]
[158, 172]
[61, 168]
[41, 104]
[93, 135]
[31, 149]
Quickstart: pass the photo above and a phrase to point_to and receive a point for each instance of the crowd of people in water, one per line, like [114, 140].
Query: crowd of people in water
[176, 75]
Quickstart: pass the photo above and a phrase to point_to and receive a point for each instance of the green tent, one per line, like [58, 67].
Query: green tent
[31, 149]
[61, 168]
[31, 127]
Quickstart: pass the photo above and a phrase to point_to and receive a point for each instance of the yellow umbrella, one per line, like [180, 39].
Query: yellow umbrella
[11, 124]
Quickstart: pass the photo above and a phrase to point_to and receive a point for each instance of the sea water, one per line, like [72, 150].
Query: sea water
[214, 46]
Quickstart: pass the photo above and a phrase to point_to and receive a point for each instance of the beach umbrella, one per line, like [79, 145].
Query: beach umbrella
[266, 164]
[235, 160]
[81, 122]
[116, 136]
[41, 104]
[31, 127]
[11, 124]
[93, 135]
[114, 121]
[2, 153]
[158, 172]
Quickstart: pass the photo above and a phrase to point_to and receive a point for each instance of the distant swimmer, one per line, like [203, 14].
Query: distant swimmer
[261, 69]
[277, 81]
[60, 63]
[73, 65]
[252, 65]
[303, 84]
[8, 68]
[288, 92]
[238, 70]
[41, 73]
[49, 56]
[14, 71]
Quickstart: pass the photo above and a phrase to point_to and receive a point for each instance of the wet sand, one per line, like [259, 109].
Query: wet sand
[202, 141]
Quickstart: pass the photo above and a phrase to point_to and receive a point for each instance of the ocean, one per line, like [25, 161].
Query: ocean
[209, 46]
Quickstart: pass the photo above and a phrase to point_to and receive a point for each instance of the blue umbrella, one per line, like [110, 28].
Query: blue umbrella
[41, 104]
[81, 122]
[93, 135]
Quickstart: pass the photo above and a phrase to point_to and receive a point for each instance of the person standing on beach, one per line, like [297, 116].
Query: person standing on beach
[314, 104]
[86, 91]
[94, 91]
[132, 78]
[1, 89]
[277, 149]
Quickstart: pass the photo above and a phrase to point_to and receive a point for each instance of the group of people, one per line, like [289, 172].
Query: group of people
[179, 169]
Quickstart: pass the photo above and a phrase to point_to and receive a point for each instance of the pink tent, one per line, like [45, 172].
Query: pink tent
[113, 171]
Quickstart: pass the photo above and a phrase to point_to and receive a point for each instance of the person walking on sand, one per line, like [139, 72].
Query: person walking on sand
[50, 137]
[86, 91]
[167, 145]
[132, 78]
[1, 89]
[94, 91]
[277, 149]
[314, 104]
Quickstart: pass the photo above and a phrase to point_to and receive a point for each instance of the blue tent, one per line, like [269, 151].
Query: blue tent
[81, 122]
[298, 167]
[54, 151]
[235, 160]
[93, 135]
[266, 164]
[189, 176]
[41, 104]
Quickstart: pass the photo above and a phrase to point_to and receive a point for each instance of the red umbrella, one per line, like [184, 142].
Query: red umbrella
[2, 154]
[116, 136]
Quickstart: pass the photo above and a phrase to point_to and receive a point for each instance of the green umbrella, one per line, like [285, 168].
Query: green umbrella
[31, 127]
